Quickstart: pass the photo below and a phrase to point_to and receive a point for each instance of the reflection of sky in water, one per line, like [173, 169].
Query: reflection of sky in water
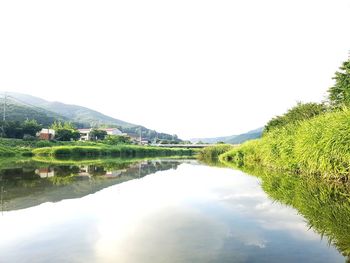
[192, 214]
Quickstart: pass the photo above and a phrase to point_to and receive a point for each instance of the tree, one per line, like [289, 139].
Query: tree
[300, 112]
[96, 134]
[65, 131]
[64, 134]
[339, 94]
[31, 127]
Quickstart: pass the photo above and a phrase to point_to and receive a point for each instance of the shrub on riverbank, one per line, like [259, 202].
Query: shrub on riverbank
[213, 152]
[320, 145]
[115, 151]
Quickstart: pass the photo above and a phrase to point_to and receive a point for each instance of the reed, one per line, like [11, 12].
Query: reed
[320, 145]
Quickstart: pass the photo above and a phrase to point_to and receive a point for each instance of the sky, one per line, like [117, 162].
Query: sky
[194, 68]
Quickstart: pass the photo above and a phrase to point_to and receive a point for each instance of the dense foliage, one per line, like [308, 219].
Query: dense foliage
[19, 130]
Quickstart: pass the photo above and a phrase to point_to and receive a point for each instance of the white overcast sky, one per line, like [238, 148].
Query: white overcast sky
[196, 68]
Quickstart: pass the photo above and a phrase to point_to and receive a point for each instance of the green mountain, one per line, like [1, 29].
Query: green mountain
[23, 106]
[233, 139]
[75, 113]
[16, 111]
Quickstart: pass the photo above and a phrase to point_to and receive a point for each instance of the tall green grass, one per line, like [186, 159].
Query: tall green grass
[320, 146]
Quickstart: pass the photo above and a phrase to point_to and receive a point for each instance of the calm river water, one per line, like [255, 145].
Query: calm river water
[149, 211]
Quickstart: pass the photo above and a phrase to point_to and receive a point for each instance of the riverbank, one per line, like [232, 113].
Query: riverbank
[112, 151]
[318, 146]
[21, 148]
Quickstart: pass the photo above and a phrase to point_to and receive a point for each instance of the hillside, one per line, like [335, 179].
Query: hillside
[23, 106]
[232, 139]
[20, 112]
[75, 113]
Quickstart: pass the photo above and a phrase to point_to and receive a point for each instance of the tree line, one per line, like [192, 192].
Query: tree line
[64, 131]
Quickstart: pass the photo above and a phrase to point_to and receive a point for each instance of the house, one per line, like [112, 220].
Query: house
[46, 134]
[45, 172]
[85, 133]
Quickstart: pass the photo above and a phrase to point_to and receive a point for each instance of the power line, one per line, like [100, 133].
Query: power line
[26, 103]
[32, 106]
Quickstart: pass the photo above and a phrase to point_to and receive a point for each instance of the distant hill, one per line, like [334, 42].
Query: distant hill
[75, 113]
[23, 106]
[233, 139]
[20, 112]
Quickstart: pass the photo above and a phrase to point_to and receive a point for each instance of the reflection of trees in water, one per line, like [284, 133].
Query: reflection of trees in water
[45, 183]
[325, 205]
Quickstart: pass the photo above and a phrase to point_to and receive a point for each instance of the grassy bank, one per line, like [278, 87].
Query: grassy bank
[320, 145]
[113, 151]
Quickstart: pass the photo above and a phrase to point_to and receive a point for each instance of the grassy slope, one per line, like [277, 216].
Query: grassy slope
[317, 146]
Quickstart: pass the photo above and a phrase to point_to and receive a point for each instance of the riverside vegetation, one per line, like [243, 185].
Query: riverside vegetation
[310, 139]
[20, 148]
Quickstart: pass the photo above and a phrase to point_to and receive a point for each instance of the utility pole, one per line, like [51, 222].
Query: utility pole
[140, 135]
[4, 115]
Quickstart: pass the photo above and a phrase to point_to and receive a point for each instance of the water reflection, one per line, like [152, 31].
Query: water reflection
[325, 205]
[195, 213]
[33, 183]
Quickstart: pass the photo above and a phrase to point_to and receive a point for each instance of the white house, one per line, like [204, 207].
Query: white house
[85, 133]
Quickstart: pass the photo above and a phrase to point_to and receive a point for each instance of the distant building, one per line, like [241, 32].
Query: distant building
[144, 142]
[85, 133]
[46, 134]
